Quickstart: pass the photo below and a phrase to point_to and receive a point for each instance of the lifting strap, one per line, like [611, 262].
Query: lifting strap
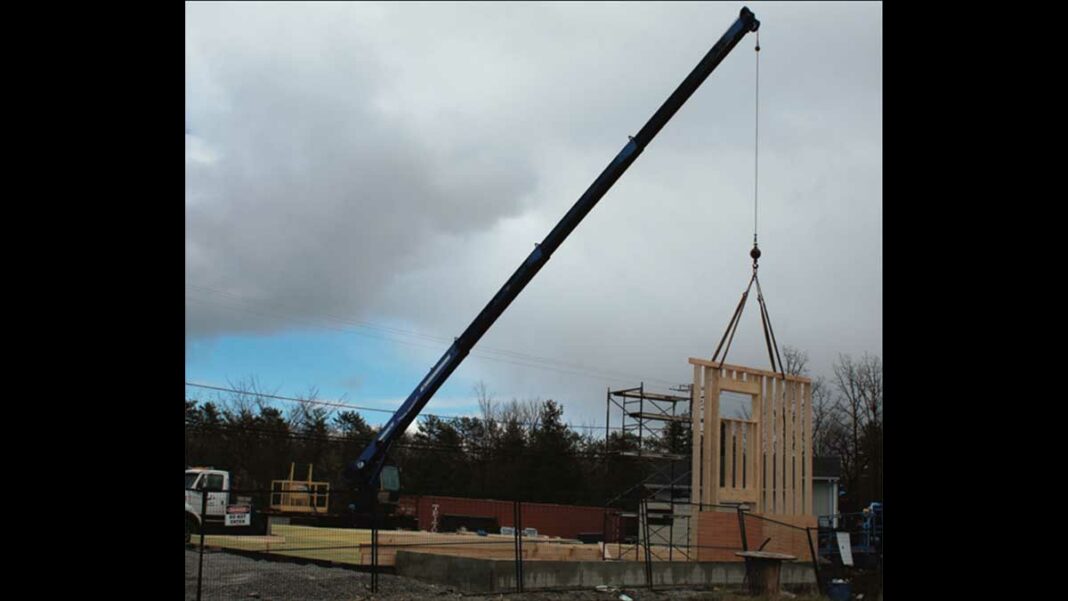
[765, 322]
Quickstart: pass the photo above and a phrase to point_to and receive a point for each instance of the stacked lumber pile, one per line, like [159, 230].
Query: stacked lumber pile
[353, 546]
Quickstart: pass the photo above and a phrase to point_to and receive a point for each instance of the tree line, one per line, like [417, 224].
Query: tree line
[515, 450]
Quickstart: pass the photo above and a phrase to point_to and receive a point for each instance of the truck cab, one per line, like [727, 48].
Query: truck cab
[201, 481]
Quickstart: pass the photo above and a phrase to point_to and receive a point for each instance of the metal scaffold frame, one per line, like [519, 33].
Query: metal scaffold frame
[657, 505]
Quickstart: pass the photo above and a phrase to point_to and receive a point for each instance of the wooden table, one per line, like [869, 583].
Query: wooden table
[763, 568]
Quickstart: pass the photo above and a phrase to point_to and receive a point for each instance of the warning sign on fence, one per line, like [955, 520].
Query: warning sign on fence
[844, 548]
[238, 515]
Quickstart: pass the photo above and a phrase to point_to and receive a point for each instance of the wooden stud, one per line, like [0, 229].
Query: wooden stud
[799, 431]
[795, 459]
[757, 448]
[786, 440]
[765, 445]
[753, 436]
[777, 427]
[697, 406]
[712, 377]
[809, 449]
[792, 459]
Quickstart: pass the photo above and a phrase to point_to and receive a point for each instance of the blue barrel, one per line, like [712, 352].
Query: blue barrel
[838, 591]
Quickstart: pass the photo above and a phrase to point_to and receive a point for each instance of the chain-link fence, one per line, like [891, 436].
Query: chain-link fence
[850, 546]
[256, 544]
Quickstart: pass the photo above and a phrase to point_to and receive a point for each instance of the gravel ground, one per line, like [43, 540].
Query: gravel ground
[230, 577]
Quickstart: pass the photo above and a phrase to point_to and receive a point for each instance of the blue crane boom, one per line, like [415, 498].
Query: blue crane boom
[365, 470]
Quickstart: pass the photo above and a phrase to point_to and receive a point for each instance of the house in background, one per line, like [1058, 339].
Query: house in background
[826, 471]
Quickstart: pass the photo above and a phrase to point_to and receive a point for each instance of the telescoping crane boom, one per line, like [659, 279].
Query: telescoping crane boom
[363, 473]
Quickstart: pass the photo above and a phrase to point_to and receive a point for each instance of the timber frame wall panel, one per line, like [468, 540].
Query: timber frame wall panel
[765, 461]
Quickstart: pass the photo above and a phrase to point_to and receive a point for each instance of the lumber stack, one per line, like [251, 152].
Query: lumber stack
[353, 546]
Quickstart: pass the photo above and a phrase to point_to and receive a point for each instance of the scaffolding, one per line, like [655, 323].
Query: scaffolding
[655, 515]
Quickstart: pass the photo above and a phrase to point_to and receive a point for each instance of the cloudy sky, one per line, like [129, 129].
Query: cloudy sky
[362, 178]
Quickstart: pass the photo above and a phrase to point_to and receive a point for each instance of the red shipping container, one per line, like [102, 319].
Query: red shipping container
[549, 519]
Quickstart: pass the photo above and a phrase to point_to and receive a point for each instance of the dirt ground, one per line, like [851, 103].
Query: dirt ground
[230, 577]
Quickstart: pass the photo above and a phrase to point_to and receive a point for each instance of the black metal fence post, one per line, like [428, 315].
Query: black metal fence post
[815, 560]
[604, 535]
[741, 527]
[515, 541]
[374, 545]
[643, 519]
[745, 548]
[518, 521]
[203, 518]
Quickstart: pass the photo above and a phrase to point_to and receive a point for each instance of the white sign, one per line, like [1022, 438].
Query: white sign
[238, 515]
[844, 548]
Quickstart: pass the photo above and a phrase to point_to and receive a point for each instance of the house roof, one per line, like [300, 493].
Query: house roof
[826, 467]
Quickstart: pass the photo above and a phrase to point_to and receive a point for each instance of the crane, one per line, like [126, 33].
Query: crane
[364, 472]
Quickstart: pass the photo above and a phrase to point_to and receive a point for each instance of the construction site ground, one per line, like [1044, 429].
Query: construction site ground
[229, 577]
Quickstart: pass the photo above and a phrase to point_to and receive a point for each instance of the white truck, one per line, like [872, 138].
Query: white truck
[221, 512]
[297, 502]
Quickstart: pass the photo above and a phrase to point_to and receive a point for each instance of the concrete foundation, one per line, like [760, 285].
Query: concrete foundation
[470, 575]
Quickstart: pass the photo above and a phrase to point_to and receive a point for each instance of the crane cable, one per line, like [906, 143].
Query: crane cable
[756, 141]
[765, 319]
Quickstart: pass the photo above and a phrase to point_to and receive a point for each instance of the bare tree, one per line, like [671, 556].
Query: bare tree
[858, 432]
[823, 417]
[247, 396]
[308, 415]
[527, 412]
[489, 410]
[870, 373]
[795, 361]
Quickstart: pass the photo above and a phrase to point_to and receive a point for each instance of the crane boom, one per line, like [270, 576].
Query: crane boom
[364, 471]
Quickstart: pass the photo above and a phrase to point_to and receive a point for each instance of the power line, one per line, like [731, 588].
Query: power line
[285, 398]
[539, 363]
[484, 352]
[339, 404]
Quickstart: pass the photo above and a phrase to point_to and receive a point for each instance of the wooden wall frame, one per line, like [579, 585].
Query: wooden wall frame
[765, 461]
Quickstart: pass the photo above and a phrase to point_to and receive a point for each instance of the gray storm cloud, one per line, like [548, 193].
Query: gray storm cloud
[396, 162]
[300, 189]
